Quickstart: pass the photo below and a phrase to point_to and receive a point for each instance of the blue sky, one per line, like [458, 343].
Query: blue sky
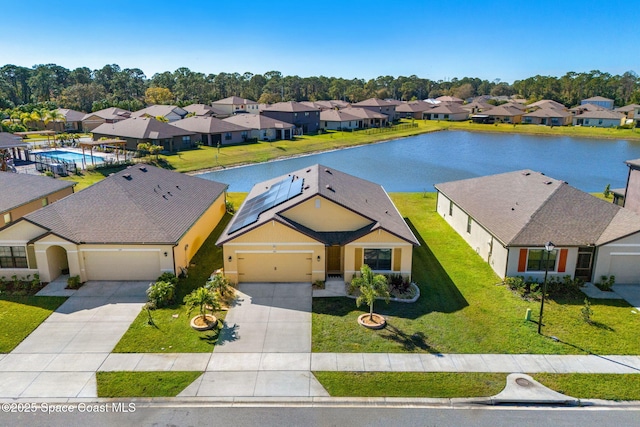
[439, 40]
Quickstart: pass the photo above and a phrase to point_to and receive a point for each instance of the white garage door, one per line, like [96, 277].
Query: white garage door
[122, 265]
[278, 267]
[626, 268]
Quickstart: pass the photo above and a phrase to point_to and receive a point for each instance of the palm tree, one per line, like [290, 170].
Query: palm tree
[53, 116]
[202, 298]
[218, 283]
[371, 286]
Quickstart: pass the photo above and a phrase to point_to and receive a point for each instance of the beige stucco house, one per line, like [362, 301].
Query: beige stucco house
[507, 219]
[133, 225]
[314, 223]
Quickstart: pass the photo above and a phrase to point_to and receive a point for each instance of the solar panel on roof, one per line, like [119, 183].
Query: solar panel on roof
[277, 194]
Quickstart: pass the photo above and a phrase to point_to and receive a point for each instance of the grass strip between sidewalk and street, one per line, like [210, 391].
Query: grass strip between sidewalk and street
[144, 384]
[462, 384]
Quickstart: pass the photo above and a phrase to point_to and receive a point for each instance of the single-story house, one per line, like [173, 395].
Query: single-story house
[477, 106]
[236, 105]
[262, 127]
[108, 115]
[379, 106]
[548, 116]
[600, 101]
[331, 104]
[306, 119]
[631, 111]
[504, 114]
[446, 111]
[133, 225]
[601, 118]
[204, 110]
[211, 131]
[450, 99]
[546, 103]
[507, 219]
[367, 118]
[314, 223]
[338, 120]
[413, 109]
[138, 130]
[72, 121]
[24, 193]
[169, 112]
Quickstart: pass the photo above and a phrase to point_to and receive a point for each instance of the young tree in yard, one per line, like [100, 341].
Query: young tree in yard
[371, 286]
[201, 298]
[155, 150]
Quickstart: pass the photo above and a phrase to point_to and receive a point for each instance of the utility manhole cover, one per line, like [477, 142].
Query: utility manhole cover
[523, 382]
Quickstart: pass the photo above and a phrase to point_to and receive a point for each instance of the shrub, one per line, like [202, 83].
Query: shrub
[229, 206]
[606, 283]
[161, 294]
[73, 282]
[532, 289]
[398, 285]
[218, 283]
[168, 277]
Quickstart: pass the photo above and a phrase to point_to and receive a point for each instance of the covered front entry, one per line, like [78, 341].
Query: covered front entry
[122, 264]
[274, 267]
[57, 261]
[334, 261]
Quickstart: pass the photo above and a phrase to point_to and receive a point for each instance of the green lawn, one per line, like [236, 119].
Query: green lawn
[459, 384]
[90, 177]
[463, 309]
[19, 316]
[143, 384]
[170, 334]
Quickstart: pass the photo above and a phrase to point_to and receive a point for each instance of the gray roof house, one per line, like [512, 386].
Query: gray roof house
[548, 116]
[169, 112]
[305, 118]
[446, 111]
[379, 106]
[137, 130]
[236, 105]
[205, 110]
[133, 225]
[507, 219]
[263, 127]
[108, 115]
[413, 109]
[600, 117]
[213, 132]
[600, 101]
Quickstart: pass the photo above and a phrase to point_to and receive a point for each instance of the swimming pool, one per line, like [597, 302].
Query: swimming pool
[70, 156]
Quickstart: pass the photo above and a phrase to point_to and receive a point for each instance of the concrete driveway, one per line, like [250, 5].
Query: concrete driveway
[265, 346]
[60, 357]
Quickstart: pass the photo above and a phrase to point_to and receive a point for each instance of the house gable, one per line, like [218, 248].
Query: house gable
[271, 232]
[20, 231]
[323, 215]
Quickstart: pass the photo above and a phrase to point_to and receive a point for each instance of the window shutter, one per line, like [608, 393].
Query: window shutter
[397, 259]
[522, 262]
[562, 263]
[358, 259]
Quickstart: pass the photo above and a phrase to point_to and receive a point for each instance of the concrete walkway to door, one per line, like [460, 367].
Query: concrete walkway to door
[267, 332]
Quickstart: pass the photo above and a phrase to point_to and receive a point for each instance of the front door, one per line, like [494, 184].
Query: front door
[584, 265]
[334, 265]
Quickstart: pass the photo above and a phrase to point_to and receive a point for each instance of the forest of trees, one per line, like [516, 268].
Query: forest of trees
[50, 86]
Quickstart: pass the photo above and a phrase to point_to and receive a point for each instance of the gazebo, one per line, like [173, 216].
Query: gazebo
[13, 144]
[47, 133]
[112, 143]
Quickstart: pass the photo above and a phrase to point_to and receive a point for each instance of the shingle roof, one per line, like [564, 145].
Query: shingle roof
[598, 98]
[257, 121]
[290, 107]
[234, 100]
[518, 105]
[159, 110]
[20, 188]
[527, 208]
[627, 108]
[373, 102]
[138, 205]
[358, 195]
[207, 125]
[141, 128]
[337, 116]
[414, 107]
[8, 140]
[547, 103]
[203, 110]
[545, 112]
[504, 110]
[447, 108]
[111, 113]
[600, 114]
[447, 98]
[363, 113]
[72, 115]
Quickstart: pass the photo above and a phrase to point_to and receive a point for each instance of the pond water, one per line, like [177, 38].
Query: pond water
[416, 163]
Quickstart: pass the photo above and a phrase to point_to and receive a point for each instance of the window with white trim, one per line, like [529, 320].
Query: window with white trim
[537, 258]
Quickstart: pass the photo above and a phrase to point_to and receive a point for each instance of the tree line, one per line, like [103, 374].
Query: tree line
[50, 86]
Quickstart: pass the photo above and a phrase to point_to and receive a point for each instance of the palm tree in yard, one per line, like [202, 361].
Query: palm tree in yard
[371, 286]
[53, 116]
[202, 298]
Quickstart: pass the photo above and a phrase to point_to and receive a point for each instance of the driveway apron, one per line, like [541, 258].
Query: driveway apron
[60, 357]
[264, 347]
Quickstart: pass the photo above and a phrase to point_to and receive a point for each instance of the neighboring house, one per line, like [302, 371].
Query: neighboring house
[451, 99]
[331, 104]
[502, 114]
[599, 118]
[548, 116]
[367, 118]
[477, 106]
[203, 110]
[138, 130]
[446, 111]
[236, 105]
[134, 225]
[338, 120]
[546, 103]
[305, 118]
[312, 223]
[600, 101]
[262, 127]
[169, 112]
[379, 106]
[631, 111]
[413, 109]
[23, 193]
[109, 115]
[631, 193]
[508, 218]
[72, 121]
[211, 131]
[518, 105]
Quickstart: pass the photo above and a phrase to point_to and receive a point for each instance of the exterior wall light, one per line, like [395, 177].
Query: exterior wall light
[230, 258]
[318, 258]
